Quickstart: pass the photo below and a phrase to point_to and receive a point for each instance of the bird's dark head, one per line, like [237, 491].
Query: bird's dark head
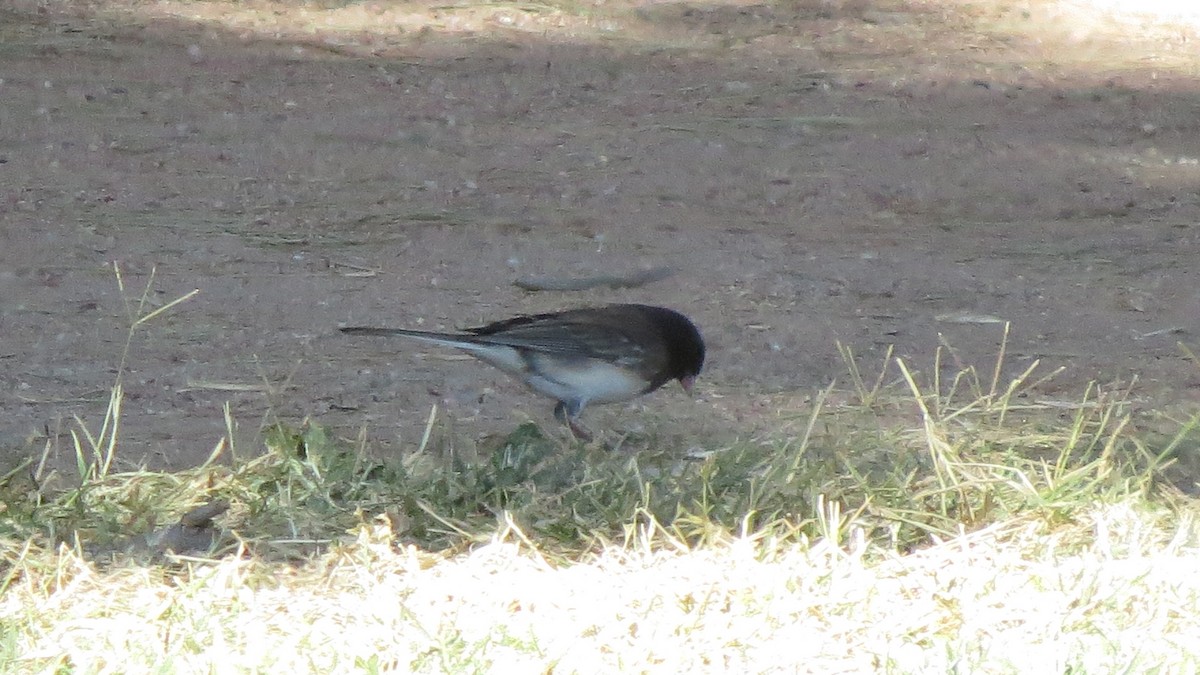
[685, 345]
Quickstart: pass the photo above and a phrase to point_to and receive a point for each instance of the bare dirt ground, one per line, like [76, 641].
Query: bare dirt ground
[874, 173]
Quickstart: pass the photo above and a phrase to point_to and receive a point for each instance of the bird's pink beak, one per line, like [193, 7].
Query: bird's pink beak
[688, 381]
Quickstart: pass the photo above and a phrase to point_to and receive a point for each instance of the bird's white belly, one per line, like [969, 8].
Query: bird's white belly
[588, 382]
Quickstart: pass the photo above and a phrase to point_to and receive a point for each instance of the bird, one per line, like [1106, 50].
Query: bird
[604, 354]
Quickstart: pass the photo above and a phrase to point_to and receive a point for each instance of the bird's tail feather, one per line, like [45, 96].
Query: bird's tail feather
[423, 335]
[504, 357]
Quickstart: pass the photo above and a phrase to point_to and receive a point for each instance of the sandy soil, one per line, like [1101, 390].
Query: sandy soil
[870, 173]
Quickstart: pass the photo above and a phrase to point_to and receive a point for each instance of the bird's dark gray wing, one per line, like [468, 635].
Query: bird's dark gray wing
[569, 334]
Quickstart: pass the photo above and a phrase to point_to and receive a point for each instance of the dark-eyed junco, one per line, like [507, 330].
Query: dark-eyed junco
[581, 356]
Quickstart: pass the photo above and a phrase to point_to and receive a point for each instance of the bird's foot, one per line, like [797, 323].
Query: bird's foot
[572, 422]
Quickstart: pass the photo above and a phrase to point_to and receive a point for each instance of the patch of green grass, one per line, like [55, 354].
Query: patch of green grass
[902, 469]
